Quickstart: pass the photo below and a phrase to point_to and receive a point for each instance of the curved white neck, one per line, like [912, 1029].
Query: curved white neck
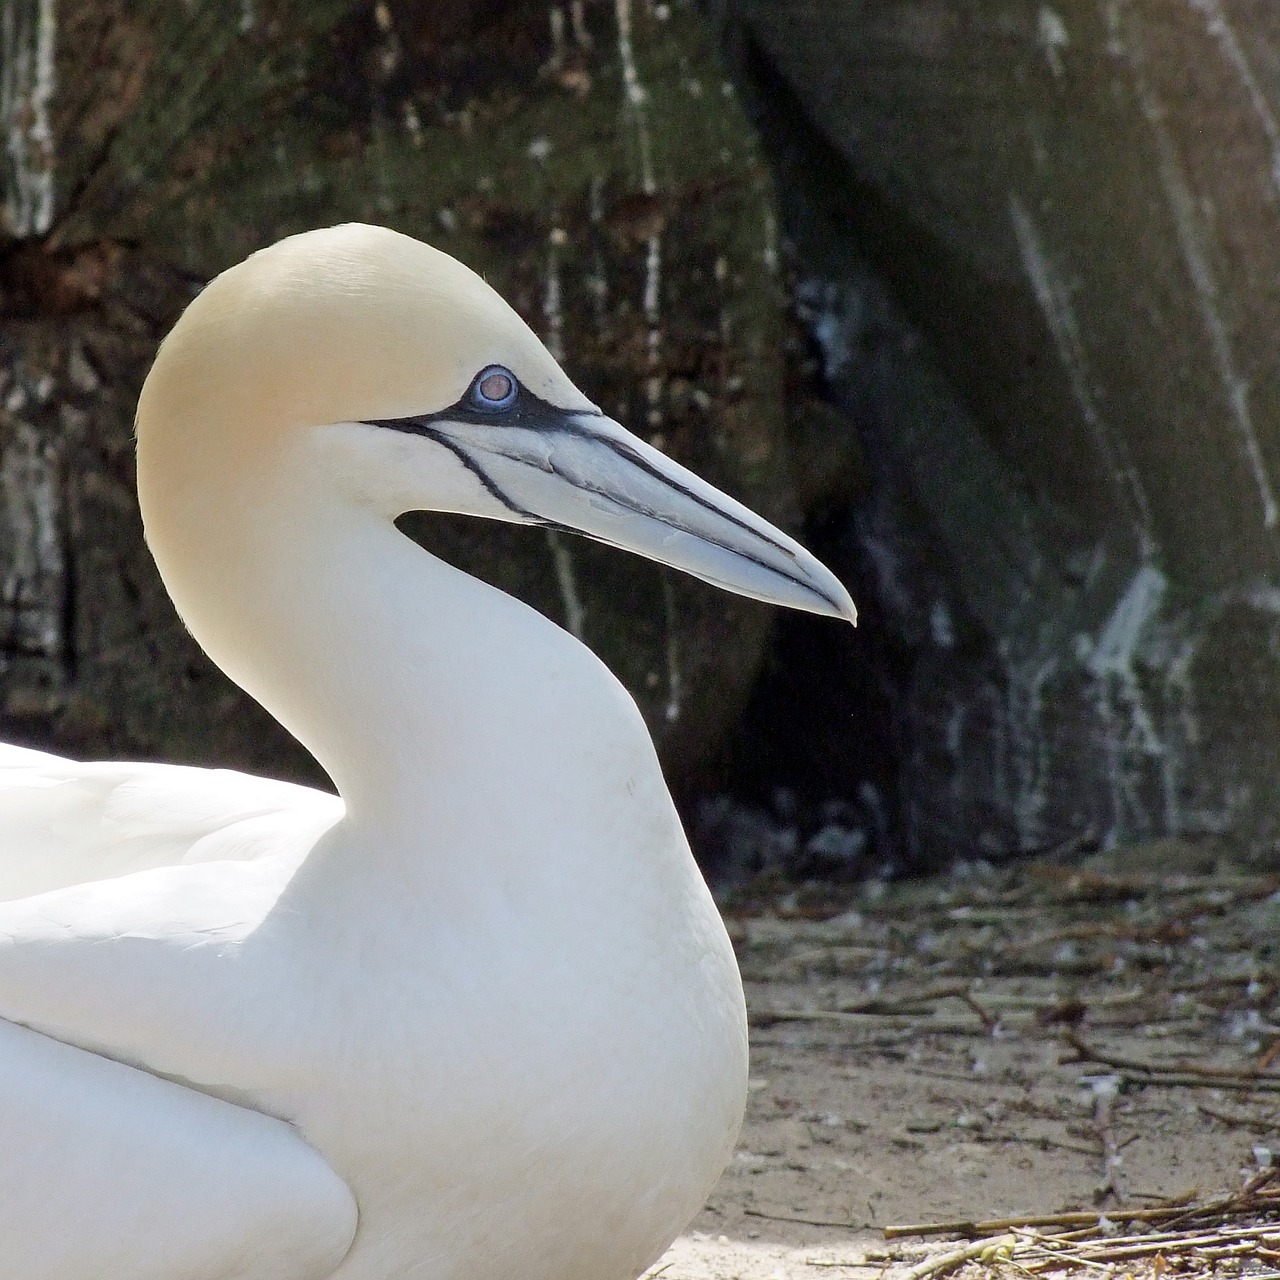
[450, 716]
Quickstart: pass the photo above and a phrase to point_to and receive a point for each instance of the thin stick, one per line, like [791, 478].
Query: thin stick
[990, 1226]
[898, 1004]
[853, 1266]
[1240, 1122]
[923, 1021]
[808, 1222]
[892, 1009]
[1256, 1196]
[1185, 1239]
[1165, 1244]
[989, 1021]
[1217, 1076]
[1173, 1080]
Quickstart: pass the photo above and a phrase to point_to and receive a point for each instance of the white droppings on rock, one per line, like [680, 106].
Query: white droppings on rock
[1196, 255]
[675, 681]
[32, 567]
[1052, 36]
[1132, 737]
[1115, 649]
[27, 31]
[578, 21]
[1030, 769]
[552, 305]
[412, 124]
[636, 99]
[1054, 298]
[636, 94]
[953, 732]
[941, 626]
[556, 18]
[1219, 27]
[770, 254]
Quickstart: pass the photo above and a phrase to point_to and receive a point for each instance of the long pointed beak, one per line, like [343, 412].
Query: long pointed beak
[584, 472]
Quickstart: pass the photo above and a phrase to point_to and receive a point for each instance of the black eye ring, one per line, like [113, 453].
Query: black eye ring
[494, 389]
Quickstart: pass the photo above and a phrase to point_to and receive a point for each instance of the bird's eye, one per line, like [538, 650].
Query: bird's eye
[494, 388]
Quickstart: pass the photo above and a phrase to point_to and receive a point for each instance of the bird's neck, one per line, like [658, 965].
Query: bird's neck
[449, 715]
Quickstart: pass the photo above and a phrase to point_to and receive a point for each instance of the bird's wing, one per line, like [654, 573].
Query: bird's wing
[106, 1170]
[63, 822]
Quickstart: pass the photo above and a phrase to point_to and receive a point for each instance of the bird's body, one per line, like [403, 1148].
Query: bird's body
[478, 1018]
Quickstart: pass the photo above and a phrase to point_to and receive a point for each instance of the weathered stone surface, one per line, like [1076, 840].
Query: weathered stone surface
[587, 157]
[1038, 247]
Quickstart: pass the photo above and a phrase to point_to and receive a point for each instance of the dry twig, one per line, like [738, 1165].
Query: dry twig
[1185, 1074]
[808, 1222]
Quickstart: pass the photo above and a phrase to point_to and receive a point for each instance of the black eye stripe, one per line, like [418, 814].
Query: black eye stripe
[527, 410]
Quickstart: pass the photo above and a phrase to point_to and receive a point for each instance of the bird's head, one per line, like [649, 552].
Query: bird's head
[408, 383]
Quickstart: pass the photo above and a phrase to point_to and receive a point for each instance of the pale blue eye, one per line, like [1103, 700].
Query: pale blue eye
[495, 388]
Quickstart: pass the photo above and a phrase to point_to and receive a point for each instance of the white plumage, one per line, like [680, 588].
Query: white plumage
[478, 1019]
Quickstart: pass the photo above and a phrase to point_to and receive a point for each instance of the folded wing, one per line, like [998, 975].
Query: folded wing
[106, 1170]
[63, 822]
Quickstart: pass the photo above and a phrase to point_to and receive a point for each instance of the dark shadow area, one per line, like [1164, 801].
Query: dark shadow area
[809, 785]
[912, 383]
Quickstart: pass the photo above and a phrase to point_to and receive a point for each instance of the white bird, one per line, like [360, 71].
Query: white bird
[478, 1019]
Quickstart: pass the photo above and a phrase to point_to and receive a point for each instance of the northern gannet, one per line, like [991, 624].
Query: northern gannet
[478, 1019]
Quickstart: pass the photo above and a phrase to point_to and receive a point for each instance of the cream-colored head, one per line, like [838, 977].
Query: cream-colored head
[346, 363]
[346, 324]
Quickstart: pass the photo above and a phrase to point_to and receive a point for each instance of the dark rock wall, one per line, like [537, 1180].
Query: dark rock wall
[1036, 249]
[1035, 418]
[588, 157]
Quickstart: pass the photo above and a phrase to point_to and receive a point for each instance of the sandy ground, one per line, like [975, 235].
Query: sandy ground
[917, 1054]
